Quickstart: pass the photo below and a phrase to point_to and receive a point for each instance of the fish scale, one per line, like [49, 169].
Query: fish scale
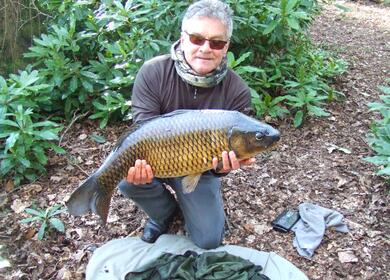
[181, 143]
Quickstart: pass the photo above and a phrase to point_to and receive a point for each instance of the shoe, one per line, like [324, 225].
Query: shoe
[153, 230]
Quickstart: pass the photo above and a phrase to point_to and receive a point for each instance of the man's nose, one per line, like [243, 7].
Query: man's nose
[205, 47]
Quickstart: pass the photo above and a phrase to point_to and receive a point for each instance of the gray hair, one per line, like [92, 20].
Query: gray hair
[212, 9]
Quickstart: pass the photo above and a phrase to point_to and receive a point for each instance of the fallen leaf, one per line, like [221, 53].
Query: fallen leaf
[9, 186]
[56, 179]
[341, 182]
[347, 257]
[261, 228]
[18, 206]
[64, 274]
[333, 147]
[83, 136]
[30, 233]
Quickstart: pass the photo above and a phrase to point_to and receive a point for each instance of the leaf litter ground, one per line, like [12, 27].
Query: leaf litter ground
[320, 163]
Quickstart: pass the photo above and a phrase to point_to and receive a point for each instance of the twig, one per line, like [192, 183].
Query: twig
[42, 13]
[75, 118]
[78, 166]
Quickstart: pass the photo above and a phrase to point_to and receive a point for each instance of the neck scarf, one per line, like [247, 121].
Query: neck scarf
[190, 76]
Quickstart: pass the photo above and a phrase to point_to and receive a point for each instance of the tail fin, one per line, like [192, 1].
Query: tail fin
[90, 196]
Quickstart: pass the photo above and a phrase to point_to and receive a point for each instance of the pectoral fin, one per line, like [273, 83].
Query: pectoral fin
[190, 182]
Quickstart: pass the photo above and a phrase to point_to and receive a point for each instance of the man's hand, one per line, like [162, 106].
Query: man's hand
[141, 173]
[230, 162]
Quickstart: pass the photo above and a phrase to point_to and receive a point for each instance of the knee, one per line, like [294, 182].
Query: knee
[208, 240]
[126, 188]
[132, 191]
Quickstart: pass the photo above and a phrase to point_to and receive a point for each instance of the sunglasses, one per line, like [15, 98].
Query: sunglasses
[199, 41]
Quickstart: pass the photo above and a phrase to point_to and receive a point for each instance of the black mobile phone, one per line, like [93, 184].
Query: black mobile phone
[285, 220]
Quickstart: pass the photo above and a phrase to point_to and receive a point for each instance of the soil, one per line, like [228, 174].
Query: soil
[320, 162]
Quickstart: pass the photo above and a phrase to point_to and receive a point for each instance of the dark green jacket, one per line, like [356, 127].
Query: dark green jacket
[190, 266]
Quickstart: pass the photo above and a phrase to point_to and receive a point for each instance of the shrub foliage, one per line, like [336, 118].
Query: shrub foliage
[379, 139]
[93, 49]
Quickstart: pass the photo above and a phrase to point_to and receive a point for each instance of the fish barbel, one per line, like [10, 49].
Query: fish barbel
[180, 143]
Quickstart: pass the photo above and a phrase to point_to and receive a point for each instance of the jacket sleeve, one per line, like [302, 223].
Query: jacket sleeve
[240, 96]
[145, 99]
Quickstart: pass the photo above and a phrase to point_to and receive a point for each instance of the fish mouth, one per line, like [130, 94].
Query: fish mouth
[270, 147]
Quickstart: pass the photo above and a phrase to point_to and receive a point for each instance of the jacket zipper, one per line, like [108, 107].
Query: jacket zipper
[195, 93]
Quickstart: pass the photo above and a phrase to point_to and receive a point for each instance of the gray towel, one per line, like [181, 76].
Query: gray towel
[310, 229]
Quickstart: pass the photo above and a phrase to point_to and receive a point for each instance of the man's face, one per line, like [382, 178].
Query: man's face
[203, 59]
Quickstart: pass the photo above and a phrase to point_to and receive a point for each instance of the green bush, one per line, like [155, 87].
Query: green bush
[379, 139]
[88, 58]
[25, 136]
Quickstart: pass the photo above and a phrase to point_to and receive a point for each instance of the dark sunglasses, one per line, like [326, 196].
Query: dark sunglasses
[199, 41]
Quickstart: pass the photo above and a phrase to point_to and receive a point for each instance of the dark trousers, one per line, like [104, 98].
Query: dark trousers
[202, 209]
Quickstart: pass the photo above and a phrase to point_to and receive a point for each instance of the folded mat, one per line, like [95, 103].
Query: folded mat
[116, 258]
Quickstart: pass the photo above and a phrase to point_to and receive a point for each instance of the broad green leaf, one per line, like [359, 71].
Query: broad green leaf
[98, 138]
[25, 162]
[87, 85]
[271, 27]
[6, 165]
[46, 135]
[298, 118]
[42, 230]
[317, 111]
[243, 57]
[11, 140]
[57, 149]
[103, 122]
[35, 212]
[385, 89]
[290, 5]
[30, 219]
[3, 85]
[231, 60]
[73, 85]
[9, 122]
[90, 75]
[57, 224]
[40, 155]
[293, 23]
[45, 123]
[377, 160]
[384, 171]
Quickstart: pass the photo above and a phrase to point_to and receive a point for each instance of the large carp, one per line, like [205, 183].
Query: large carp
[180, 143]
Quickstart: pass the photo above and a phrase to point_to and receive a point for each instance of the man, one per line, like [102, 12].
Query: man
[193, 76]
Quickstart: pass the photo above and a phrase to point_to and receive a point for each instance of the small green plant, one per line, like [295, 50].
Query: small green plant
[26, 142]
[113, 101]
[47, 218]
[379, 139]
[266, 105]
[25, 134]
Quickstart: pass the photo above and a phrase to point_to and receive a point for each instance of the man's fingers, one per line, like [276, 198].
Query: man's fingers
[234, 163]
[225, 160]
[137, 175]
[149, 173]
[143, 171]
[215, 163]
[130, 175]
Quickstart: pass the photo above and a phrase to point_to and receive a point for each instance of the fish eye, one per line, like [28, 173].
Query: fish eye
[259, 136]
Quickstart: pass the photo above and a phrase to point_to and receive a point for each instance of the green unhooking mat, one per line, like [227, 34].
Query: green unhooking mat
[191, 266]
